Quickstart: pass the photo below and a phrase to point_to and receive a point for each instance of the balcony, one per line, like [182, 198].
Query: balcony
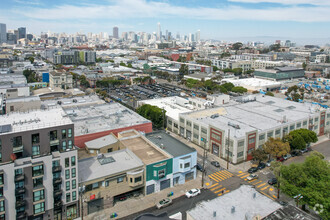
[19, 177]
[57, 192]
[20, 203]
[57, 181]
[54, 142]
[18, 149]
[57, 169]
[21, 215]
[58, 203]
[20, 190]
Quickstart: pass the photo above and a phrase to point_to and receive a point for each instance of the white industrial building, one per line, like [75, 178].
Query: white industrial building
[253, 84]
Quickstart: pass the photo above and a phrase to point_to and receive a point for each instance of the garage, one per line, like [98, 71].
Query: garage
[95, 205]
[165, 184]
[150, 189]
[189, 176]
[215, 149]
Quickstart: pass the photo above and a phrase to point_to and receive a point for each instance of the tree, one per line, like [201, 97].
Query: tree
[239, 89]
[215, 68]
[31, 59]
[184, 70]
[269, 93]
[294, 93]
[304, 65]
[153, 113]
[237, 71]
[298, 139]
[122, 64]
[275, 147]
[311, 179]
[129, 65]
[98, 60]
[228, 86]
[237, 46]
[30, 76]
[259, 155]
[275, 47]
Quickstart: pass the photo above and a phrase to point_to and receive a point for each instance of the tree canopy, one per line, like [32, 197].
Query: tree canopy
[311, 179]
[276, 147]
[259, 155]
[30, 75]
[153, 113]
[298, 139]
[239, 89]
[294, 93]
[269, 93]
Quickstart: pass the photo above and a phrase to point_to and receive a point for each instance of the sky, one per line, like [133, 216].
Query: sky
[216, 19]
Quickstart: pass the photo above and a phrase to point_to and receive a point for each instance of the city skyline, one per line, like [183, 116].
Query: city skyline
[220, 20]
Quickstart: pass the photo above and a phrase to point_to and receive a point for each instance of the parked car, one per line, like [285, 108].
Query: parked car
[163, 203]
[252, 177]
[261, 166]
[193, 193]
[304, 150]
[268, 162]
[272, 181]
[281, 159]
[252, 170]
[283, 203]
[215, 163]
[199, 167]
[287, 156]
[296, 153]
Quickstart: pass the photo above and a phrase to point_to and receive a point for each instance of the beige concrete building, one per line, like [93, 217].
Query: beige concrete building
[23, 104]
[60, 80]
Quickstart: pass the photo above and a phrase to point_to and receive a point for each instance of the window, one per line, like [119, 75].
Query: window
[38, 170]
[181, 165]
[69, 132]
[63, 133]
[53, 135]
[67, 162]
[278, 131]
[189, 123]
[0, 150]
[181, 120]
[204, 130]
[38, 195]
[107, 183]
[67, 174]
[304, 123]
[35, 150]
[39, 208]
[73, 184]
[186, 165]
[161, 173]
[1, 191]
[17, 141]
[1, 179]
[138, 179]
[74, 195]
[67, 197]
[316, 127]
[18, 171]
[109, 150]
[70, 144]
[120, 179]
[35, 138]
[252, 140]
[196, 127]
[37, 182]
[299, 125]
[215, 136]
[240, 144]
[131, 180]
[261, 137]
[169, 122]
[240, 154]
[67, 185]
[2, 206]
[64, 145]
[73, 160]
[175, 125]
[196, 136]
[270, 134]
[291, 127]
[316, 119]
[95, 185]
[73, 172]
[19, 184]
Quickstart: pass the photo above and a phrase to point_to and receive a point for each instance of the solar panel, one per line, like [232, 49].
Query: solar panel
[5, 128]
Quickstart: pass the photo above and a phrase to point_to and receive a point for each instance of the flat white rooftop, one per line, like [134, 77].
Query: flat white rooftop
[104, 117]
[254, 82]
[36, 119]
[266, 113]
[242, 203]
[170, 105]
[73, 102]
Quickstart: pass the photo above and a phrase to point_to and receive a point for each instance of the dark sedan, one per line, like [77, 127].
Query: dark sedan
[253, 170]
[272, 181]
[215, 163]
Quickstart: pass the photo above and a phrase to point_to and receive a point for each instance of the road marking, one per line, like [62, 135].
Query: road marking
[217, 187]
[216, 177]
[256, 183]
[219, 190]
[261, 185]
[265, 188]
[274, 196]
[225, 172]
[207, 184]
[213, 179]
[241, 174]
[223, 177]
[245, 176]
[252, 180]
[227, 191]
[267, 195]
[240, 171]
[271, 189]
[214, 185]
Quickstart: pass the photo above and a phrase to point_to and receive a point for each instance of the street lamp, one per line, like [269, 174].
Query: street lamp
[297, 198]
[204, 158]
[82, 190]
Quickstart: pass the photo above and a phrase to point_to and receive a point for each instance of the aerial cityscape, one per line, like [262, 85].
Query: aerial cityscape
[144, 109]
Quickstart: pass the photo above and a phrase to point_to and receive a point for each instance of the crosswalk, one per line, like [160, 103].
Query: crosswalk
[220, 175]
[262, 186]
[218, 189]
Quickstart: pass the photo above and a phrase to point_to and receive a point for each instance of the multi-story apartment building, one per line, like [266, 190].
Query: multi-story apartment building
[232, 64]
[61, 80]
[38, 166]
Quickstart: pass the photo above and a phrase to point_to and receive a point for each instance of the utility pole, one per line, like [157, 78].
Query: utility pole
[278, 184]
[204, 158]
[163, 119]
[228, 149]
[81, 192]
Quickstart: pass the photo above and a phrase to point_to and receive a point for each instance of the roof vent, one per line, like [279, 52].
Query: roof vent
[232, 209]
[254, 195]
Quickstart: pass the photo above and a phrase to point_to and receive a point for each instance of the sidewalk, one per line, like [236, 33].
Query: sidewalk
[134, 205]
[321, 139]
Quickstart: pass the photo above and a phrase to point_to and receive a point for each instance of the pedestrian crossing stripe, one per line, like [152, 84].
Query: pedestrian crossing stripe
[220, 176]
[274, 196]
[223, 189]
[256, 182]
[217, 187]
[244, 176]
[252, 180]
[214, 185]
[241, 174]
[214, 179]
[261, 185]
[265, 188]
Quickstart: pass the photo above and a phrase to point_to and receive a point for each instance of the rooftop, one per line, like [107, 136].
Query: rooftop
[12, 79]
[242, 203]
[169, 144]
[110, 164]
[101, 142]
[289, 212]
[73, 101]
[32, 120]
[253, 82]
[143, 149]
[263, 114]
[104, 117]
[23, 99]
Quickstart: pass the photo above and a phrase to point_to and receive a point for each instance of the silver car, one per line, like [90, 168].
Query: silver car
[163, 203]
